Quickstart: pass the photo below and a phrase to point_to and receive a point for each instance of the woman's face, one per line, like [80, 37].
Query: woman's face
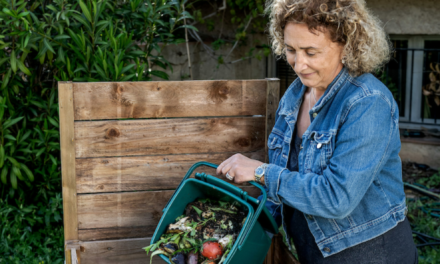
[313, 56]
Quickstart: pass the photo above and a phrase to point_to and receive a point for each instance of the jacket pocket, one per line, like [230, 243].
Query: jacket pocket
[320, 151]
[275, 145]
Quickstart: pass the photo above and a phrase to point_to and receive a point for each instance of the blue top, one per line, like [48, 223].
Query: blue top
[349, 183]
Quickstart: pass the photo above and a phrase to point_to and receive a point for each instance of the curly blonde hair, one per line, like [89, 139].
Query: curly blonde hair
[366, 45]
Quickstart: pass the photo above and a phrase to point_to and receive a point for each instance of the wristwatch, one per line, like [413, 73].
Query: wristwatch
[259, 173]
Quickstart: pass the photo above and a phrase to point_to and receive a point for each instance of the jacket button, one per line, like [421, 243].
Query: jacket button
[310, 217]
[315, 115]
[319, 145]
[327, 250]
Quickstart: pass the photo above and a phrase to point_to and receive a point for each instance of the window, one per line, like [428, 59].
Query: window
[411, 76]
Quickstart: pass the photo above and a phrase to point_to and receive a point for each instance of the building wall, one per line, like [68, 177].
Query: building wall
[417, 17]
[206, 66]
[399, 17]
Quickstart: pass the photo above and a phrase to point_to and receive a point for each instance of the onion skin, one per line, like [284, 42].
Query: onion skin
[192, 258]
[212, 250]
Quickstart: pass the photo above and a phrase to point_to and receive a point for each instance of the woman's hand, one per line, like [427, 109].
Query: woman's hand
[241, 168]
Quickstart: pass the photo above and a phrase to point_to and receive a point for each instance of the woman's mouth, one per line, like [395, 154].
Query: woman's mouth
[306, 75]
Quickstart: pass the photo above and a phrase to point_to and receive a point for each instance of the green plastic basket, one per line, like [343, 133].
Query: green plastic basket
[253, 242]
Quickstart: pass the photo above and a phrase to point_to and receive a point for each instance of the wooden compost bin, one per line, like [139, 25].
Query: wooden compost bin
[125, 146]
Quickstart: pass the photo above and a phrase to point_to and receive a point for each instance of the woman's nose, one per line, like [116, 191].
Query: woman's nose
[300, 63]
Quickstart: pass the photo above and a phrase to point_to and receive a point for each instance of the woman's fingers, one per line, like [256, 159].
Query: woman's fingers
[239, 167]
[225, 166]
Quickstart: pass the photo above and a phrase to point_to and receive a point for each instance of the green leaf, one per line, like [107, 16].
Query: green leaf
[2, 155]
[53, 122]
[199, 212]
[61, 37]
[6, 79]
[17, 172]
[160, 74]
[48, 46]
[28, 172]
[13, 61]
[3, 60]
[14, 162]
[13, 179]
[61, 57]
[10, 137]
[4, 174]
[40, 151]
[85, 10]
[23, 68]
[157, 252]
[9, 122]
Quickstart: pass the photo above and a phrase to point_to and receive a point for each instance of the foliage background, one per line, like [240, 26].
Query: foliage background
[42, 42]
[45, 41]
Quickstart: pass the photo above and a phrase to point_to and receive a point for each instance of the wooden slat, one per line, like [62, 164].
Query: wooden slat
[168, 136]
[272, 101]
[142, 172]
[118, 215]
[169, 99]
[281, 253]
[124, 251]
[67, 144]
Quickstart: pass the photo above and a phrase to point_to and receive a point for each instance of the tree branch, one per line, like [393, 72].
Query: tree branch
[236, 42]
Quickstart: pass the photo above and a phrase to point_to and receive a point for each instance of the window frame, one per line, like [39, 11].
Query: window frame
[412, 118]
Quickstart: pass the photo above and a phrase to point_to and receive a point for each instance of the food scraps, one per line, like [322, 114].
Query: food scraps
[205, 233]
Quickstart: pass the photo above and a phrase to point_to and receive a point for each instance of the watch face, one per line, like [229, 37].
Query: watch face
[259, 171]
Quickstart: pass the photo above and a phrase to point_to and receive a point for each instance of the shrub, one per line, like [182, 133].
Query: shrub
[42, 42]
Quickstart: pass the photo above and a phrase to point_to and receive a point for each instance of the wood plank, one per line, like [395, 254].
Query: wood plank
[67, 143]
[114, 100]
[168, 136]
[123, 215]
[272, 101]
[281, 253]
[124, 251]
[143, 173]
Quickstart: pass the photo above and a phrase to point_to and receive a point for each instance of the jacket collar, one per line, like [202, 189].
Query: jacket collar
[296, 92]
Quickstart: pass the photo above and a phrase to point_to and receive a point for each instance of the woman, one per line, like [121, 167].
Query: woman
[334, 172]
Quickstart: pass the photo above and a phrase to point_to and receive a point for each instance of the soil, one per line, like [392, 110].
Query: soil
[212, 227]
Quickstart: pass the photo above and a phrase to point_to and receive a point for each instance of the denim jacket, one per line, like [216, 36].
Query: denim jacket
[349, 184]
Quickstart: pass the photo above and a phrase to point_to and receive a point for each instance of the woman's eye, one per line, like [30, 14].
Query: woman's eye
[289, 50]
[311, 54]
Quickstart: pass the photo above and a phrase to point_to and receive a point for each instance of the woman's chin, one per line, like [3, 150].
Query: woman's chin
[308, 82]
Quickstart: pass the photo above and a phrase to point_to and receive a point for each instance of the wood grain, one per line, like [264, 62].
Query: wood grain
[272, 101]
[168, 136]
[124, 251]
[114, 100]
[67, 143]
[142, 173]
[122, 215]
[281, 252]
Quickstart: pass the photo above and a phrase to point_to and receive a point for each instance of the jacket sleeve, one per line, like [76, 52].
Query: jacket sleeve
[359, 154]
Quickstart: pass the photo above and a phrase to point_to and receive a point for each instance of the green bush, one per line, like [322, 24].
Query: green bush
[42, 42]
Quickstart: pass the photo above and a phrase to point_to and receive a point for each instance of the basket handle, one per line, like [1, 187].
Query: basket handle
[222, 184]
[187, 175]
